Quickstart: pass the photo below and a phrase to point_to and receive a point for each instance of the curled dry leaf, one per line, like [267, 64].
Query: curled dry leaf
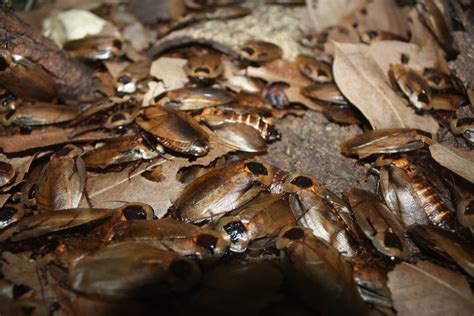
[456, 160]
[170, 71]
[428, 289]
[363, 83]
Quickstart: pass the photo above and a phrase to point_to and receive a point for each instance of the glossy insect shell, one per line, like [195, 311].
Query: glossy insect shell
[413, 85]
[323, 212]
[62, 181]
[95, 47]
[177, 131]
[25, 79]
[411, 197]
[327, 93]
[166, 234]
[318, 273]
[378, 223]
[132, 270]
[204, 68]
[42, 113]
[240, 136]
[186, 99]
[121, 150]
[386, 141]
[10, 213]
[50, 222]
[259, 52]
[315, 70]
[446, 244]
[262, 217]
[372, 36]
[221, 190]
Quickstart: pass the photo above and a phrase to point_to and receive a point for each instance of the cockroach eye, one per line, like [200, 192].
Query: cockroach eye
[469, 210]
[423, 97]
[124, 79]
[134, 212]
[302, 182]
[322, 73]
[294, 233]
[248, 50]
[256, 168]
[372, 34]
[117, 44]
[208, 242]
[392, 241]
[235, 230]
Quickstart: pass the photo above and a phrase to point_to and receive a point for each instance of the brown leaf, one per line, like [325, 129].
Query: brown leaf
[4, 198]
[390, 52]
[108, 190]
[21, 165]
[21, 270]
[455, 159]
[428, 289]
[47, 137]
[363, 83]
[170, 71]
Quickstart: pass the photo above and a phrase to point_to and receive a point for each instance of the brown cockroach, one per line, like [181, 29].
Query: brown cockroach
[378, 223]
[262, 123]
[221, 190]
[386, 141]
[62, 181]
[7, 173]
[11, 213]
[322, 211]
[131, 78]
[328, 93]
[175, 130]
[463, 126]
[259, 52]
[410, 196]
[437, 80]
[40, 113]
[262, 217]
[314, 69]
[240, 137]
[205, 68]
[95, 47]
[413, 85]
[186, 99]
[446, 244]
[130, 270]
[318, 273]
[25, 79]
[122, 150]
[167, 234]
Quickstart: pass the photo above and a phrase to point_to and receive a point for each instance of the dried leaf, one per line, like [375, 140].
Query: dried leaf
[139, 37]
[21, 165]
[458, 161]
[428, 289]
[21, 270]
[363, 83]
[107, 190]
[170, 70]
[4, 198]
[48, 137]
[386, 53]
